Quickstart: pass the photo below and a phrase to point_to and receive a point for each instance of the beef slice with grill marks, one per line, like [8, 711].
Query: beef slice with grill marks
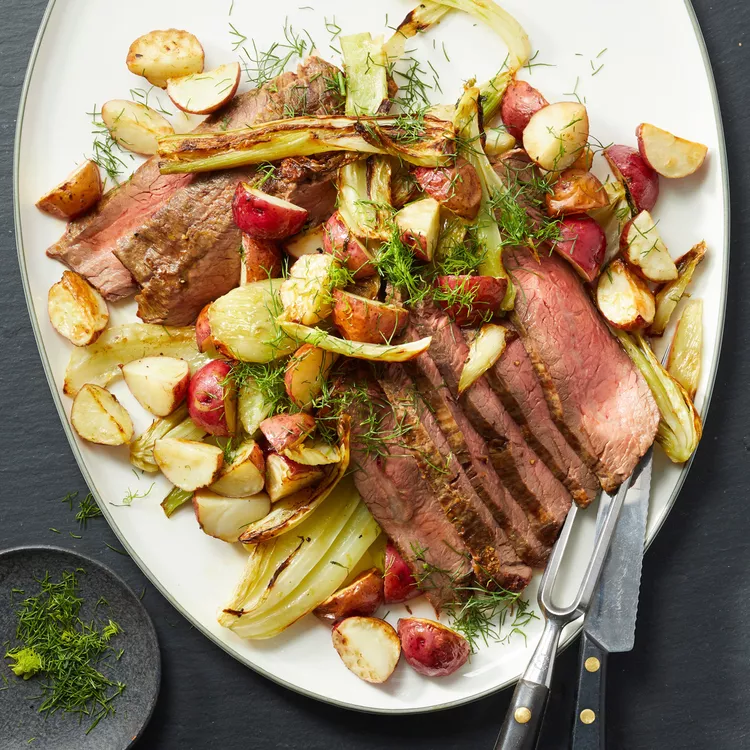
[494, 560]
[472, 453]
[404, 504]
[514, 379]
[596, 395]
[526, 476]
[89, 242]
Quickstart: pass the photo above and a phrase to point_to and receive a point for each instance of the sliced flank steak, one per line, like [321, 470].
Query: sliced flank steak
[88, 244]
[514, 380]
[494, 560]
[523, 473]
[596, 395]
[472, 453]
[404, 505]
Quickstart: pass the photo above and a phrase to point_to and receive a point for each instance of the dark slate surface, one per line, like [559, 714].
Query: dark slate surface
[686, 684]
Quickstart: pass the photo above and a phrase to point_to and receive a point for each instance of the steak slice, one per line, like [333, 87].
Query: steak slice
[514, 380]
[472, 453]
[523, 473]
[596, 395]
[404, 504]
[494, 560]
[88, 244]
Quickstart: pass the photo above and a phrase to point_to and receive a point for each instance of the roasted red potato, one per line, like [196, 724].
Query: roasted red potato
[361, 598]
[244, 475]
[77, 310]
[284, 477]
[398, 582]
[641, 182]
[188, 464]
[583, 244]
[306, 373]
[212, 399]
[225, 518]
[205, 93]
[643, 248]
[203, 339]
[307, 242]
[369, 647]
[623, 297]
[284, 431]
[75, 195]
[456, 187]
[470, 300]
[520, 102]
[160, 384]
[575, 192]
[264, 216]
[430, 648]
[97, 416]
[370, 321]
[556, 135]
[339, 241]
[261, 260]
[163, 54]
[419, 224]
[667, 154]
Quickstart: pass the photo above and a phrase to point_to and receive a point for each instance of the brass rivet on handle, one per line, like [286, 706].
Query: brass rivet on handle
[592, 664]
[588, 716]
[522, 715]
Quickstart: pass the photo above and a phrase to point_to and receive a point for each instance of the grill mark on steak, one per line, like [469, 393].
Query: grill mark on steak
[404, 505]
[523, 473]
[88, 244]
[596, 395]
[494, 560]
[472, 453]
[514, 380]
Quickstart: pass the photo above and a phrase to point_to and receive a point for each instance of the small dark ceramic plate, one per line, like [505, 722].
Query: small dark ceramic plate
[139, 667]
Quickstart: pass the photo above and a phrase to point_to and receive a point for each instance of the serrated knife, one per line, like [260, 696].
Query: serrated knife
[609, 626]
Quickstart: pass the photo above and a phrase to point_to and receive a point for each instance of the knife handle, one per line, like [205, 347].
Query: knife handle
[588, 726]
[523, 722]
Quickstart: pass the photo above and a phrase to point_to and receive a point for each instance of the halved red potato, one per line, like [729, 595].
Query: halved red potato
[555, 135]
[159, 384]
[135, 126]
[498, 142]
[284, 431]
[362, 319]
[456, 187]
[225, 518]
[430, 648]
[245, 475]
[640, 180]
[361, 598]
[369, 647]
[264, 216]
[667, 154]
[308, 242]
[161, 55]
[97, 416]
[419, 225]
[339, 242]
[398, 583]
[306, 373]
[202, 93]
[306, 294]
[188, 464]
[284, 477]
[643, 248]
[585, 159]
[77, 310]
[575, 191]
[203, 339]
[469, 300]
[623, 297]
[261, 260]
[520, 102]
[212, 399]
[75, 195]
[583, 244]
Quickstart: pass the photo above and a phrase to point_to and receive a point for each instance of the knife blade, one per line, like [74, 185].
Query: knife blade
[610, 623]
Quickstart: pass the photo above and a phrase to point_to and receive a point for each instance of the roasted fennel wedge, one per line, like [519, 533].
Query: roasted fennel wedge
[288, 577]
[98, 363]
[680, 427]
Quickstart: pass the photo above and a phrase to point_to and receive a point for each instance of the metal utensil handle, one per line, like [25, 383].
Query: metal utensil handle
[523, 721]
[588, 727]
